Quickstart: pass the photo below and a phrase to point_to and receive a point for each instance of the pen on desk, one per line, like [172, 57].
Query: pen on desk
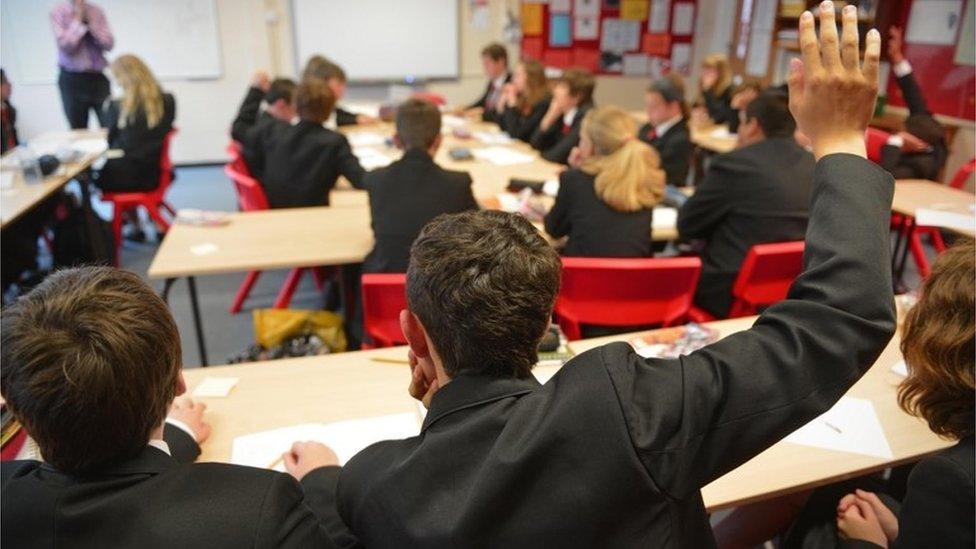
[390, 360]
[834, 427]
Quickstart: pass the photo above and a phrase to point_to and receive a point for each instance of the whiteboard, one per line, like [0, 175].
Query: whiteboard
[177, 38]
[398, 40]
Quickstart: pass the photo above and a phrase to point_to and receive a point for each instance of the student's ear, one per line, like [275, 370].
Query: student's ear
[415, 333]
[397, 142]
[180, 385]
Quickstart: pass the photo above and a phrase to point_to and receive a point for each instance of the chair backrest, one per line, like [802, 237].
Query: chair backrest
[250, 194]
[236, 152]
[166, 163]
[384, 296]
[766, 275]
[874, 139]
[432, 97]
[966, 170]
[627, 292]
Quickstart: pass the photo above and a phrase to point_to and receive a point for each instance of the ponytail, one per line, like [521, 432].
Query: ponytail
[628, 179]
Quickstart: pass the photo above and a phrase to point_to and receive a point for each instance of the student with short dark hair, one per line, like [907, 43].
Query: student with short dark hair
[303, 161]
[278, 96]
[494, 61]
[755, 194]
[407, 194]
[605, 202]
[558, 132]
[614, 449]
[333, 75]
[742, 95]
[524, 101]
[667, 127]
[90, 366]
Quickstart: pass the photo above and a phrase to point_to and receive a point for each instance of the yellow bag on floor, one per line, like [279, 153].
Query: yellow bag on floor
[274, 326]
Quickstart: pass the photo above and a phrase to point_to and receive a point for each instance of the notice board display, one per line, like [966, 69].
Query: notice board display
[627, 37]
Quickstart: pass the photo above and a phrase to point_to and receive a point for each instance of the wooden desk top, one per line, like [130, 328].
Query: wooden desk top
[352, 385]
[21, 197]
[913, 194]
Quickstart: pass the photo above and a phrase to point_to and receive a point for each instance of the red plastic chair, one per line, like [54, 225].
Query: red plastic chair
[874, 139]
[625, 292]
[250, 195]
[153, 201]
[235, 150]
[384, 296]
[766, 275]
[966, 170]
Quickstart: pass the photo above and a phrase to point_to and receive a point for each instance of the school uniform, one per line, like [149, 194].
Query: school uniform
[613, 450]
[920, 165]
[520, 124]
[8, 127]
[302, 163]
[345, 118]
[152, 500]
[247, 128]
[753, 195]
[593, 227]
[672, 141]
[142, 147]
[405, 196]
[491, 97]
[719, 106]
[556, 142]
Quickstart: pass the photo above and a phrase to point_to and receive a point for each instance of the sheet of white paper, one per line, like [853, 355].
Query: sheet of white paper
[587, 7]
[369, 109]
[544, 374]
[206, 248]
[931, 217]
[684, 17]
[665, 218]
[934, 22]
[850, 426]
[366, 139]
[509, 202]
[586, 27]
[660, 13]
[452, 121]
[492, 138]
[500, 156]
[215, 386]
[90, 146]
[619, 35]
[900, 368]
[550, 187]
[264, 448]
[370, 159]
[7, 179]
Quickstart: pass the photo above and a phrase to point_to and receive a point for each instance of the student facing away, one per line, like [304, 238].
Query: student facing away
[335, 77]
[605, 203]
[494, 61]
[758, 193]
[303, 161]
[667, 127]
[524, 100]
[90, 365]
[251, 121]
[613, 450]
[558, 132]
[407, 194]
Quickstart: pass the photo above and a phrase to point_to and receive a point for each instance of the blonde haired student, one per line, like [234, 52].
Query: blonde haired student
[605, 201]
[137, 125]
[714, 103]
[525, 100]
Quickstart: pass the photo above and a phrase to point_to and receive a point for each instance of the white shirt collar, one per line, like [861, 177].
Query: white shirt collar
[663, 127]
[569, 116]
[499, 82]
[161, 445]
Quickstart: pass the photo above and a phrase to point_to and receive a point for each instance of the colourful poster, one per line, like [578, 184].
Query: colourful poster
[531, 19]
[560, 31]
[633, 10]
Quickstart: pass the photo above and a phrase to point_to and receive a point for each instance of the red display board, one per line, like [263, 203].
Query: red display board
[626, 37]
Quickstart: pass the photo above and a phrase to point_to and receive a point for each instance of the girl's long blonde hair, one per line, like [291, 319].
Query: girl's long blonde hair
[719, 62]
[536, 83]
[627, 170]
[141, 90]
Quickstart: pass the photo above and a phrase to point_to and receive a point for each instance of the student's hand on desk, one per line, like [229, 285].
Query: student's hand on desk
[859, 521]
[832, 96]
[261, 81]
[184, 409]
[423, 379]
[305, 457]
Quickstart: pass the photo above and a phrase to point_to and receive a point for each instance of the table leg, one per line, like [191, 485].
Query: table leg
[198, 326]
[899, 240]
[900, 271]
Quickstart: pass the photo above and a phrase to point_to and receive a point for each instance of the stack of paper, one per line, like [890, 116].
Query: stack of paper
[850, 426]
[493, 138]
[452, 121]
[665, 219]
[500, 156]
[370, 159]
[346, 438]
[95, 145]
[366, 139]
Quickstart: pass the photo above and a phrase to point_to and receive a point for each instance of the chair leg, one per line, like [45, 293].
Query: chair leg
[156, 216]
[321, 275]
[244, 291]
[918, 254]
[937, 241]
[569, 327]
[288, 288]
[169, 209]
[117, 212]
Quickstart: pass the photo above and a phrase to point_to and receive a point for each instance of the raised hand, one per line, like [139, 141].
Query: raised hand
[895, 54]
[832, 95]
[261, 81]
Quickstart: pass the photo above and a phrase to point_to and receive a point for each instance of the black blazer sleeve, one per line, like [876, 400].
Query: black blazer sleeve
[522, 127]
[938, 506]
[111, 117]
[286, 520]
[553, 144]
[480, 102]
[345, 118]
[182, 446]
[676, 159]
[543, 138]
[321, 487]
[695, 418]
[349, 165]
[710, 204]
[912, 93]
[247, 114]
[557, 220]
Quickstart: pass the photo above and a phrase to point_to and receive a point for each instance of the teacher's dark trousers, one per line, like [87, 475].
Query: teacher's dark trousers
[81, 92]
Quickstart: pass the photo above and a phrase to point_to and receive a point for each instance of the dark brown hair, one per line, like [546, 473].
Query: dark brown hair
[580, 83]
[483, 284]
[322, 68]
[90, 364]
[314, 100]
[495, 52]
[281, 88]
[537, 84]
[418, 123]
[938, 345]
[671, 88]
[772, 111]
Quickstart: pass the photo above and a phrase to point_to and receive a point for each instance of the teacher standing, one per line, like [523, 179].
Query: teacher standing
[83, 37]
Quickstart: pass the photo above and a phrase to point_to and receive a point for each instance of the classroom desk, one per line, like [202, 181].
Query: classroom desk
[354, 385]
[21, 197]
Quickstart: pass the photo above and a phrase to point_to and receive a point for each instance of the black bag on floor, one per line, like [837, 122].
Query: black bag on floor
[72, 245]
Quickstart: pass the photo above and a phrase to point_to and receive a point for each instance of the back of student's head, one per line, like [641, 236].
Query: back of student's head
[281, 89]
[418, 124]
[91, 359]
[772, 111]
[141, 90]
[483, 284]
[671, 88]
[627, 170]
[495, 52]
[580, 83]
[938, 345]
[323, 68]
[314, 100]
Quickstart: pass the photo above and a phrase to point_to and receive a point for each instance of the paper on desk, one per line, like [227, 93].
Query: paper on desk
[366, 139]
[452, 121]
[900, 368]
[720, 132]
[665, 218]
[850, 426]
[370, 159]
[206, 248]
[215, 386]
[500, 156]
[550, 187]
[492, 138]
[7, 180]
[346, 438]
[94, 145]
[949, 219]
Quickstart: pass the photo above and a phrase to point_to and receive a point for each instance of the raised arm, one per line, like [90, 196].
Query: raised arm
[695, 418]
[349, 165]
[247, 114]
[910, 89]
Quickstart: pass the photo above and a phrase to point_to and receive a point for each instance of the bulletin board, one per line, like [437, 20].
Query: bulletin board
[624, 37]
